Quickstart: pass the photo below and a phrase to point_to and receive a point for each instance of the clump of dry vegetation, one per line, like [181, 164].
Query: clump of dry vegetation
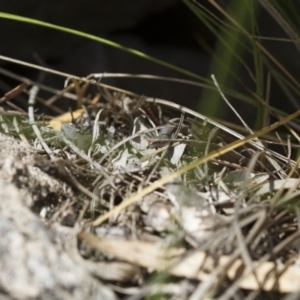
[145, 195]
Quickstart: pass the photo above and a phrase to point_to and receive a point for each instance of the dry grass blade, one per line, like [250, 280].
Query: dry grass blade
[13, 93]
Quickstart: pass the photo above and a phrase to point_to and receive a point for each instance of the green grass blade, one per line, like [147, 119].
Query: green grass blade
[258, 64]
[103, 41]
[229, 53]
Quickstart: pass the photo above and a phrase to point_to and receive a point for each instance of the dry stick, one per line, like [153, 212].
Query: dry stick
[191, 166]
[61, 93]
[21, 114]
[152, 77]
[14, 92]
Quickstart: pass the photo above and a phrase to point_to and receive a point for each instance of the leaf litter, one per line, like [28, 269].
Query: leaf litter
[226, 228]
